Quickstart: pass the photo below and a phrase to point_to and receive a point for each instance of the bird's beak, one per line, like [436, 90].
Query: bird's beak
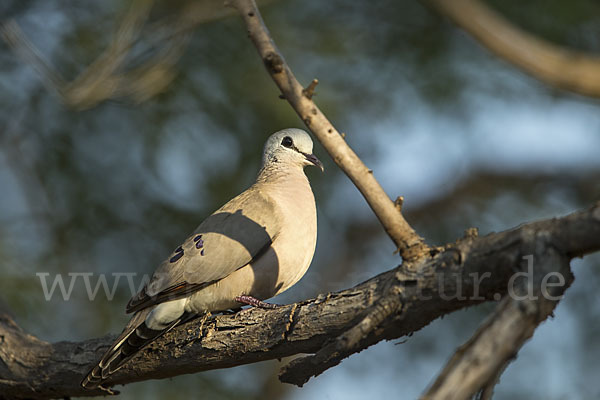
[314, 160]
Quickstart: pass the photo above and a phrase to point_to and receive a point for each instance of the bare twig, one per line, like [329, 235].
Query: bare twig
[557, 66]
[309, 92]
[108, 76]
[411, 245]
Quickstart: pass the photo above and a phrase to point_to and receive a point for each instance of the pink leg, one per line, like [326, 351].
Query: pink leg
[254, 302]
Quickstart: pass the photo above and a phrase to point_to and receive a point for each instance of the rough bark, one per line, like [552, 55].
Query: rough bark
[424, 290]
[477, 365]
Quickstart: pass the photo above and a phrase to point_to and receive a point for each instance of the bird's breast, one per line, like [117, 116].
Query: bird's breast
[294, 247]
[282, 264]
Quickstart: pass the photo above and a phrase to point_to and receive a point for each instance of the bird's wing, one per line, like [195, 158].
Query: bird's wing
[226, 241]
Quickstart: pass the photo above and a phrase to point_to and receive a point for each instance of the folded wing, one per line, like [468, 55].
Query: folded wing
[226, 241]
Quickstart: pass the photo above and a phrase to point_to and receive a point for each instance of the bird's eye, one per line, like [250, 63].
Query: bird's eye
[287, 142]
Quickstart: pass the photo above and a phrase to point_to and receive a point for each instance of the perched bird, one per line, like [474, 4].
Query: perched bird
[254, 247]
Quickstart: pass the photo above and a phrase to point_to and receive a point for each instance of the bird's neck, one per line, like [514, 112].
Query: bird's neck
[286, 184]
[289, 188]
[275, 174]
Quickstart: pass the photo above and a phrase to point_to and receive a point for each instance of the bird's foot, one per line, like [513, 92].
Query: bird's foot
[254, 302]
[109, 391]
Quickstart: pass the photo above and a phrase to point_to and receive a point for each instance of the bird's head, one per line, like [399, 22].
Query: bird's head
[292, 147]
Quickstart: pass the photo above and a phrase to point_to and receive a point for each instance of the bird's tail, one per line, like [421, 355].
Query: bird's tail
[134, 337]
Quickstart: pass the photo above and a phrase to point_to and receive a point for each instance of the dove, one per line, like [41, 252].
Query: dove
[254, 247]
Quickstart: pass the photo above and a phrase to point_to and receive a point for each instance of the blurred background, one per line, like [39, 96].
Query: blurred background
[113, 151]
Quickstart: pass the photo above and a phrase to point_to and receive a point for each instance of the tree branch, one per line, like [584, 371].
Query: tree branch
[426, 290]
[105, 77]
[555, 65]
[477, 364]
[410, 244]
[300, 370]
[108, 76]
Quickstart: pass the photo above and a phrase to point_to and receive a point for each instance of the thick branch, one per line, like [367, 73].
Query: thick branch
[478, 363]
[300, 370]
[557, 66]
[411, 245]
[426, 290]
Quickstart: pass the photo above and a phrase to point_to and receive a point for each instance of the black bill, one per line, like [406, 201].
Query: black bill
[314, 160]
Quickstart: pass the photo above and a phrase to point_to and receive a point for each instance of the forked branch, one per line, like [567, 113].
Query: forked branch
[476, 366]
